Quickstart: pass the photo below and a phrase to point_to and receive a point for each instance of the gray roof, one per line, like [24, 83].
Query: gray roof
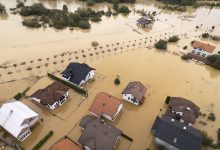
[98, 135]
[144, 21]
[188, 108]
[175, 134]
[77, 72]
[136, 88]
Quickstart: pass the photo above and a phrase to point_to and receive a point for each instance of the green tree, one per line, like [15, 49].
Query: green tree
[124, 10]
[84, 24]
[65, 8]
[2, 8]
[161, 44]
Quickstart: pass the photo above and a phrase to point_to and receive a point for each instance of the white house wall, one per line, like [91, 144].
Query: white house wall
[200, 52]
[128, 98]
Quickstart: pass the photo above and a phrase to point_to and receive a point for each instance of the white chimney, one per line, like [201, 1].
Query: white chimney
[172, 120]
[184, 128]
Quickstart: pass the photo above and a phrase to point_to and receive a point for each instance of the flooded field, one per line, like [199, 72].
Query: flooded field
[122, 52]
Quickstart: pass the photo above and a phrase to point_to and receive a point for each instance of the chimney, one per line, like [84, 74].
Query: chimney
[184, 128]
[172, 120]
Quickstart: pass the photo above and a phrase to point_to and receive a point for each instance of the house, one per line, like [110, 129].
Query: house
[174, 135]
[98, 135]
[65, 144]
[106, 105]
[78, 73]
[202, 49]
[17, 119]
[134, 92]
[52, 96]
[183, 110]
[145, 22]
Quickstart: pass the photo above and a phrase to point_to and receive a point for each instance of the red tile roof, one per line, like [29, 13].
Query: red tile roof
[65, 144]
[206, 47]
[105, 103]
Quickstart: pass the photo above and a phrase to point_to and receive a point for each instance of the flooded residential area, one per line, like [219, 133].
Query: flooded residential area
[103, 75]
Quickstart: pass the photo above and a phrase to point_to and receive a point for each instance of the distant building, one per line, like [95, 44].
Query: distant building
[183, 110]
[106, 105]
[145, 22]
[65, 144]
[17, 119]
[174, 135]
[52, 96]
[202, 49]
[78, 73]
[134, 92]
[98, 135]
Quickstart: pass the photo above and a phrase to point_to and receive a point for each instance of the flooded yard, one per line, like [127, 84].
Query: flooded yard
[122, 52]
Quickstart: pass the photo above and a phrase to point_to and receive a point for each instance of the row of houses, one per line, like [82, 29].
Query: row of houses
[96, 133]
[173, 129]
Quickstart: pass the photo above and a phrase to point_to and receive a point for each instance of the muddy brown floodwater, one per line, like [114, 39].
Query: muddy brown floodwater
[38, 51]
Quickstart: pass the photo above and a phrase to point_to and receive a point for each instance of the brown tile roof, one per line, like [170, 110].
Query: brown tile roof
[105, 103]
[51, 93]
[189, 109]
[206, 47]
[65, 144]
[97, 134]
[136, 88]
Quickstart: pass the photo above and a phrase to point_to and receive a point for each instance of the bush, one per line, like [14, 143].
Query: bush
[96, 19]
[20, 4]
[33, 23]
[95, 44]
[117, 81]
[207, 141]
[84, 24]
[185, 57]
[2, 9]
[167, 100]
[173, 39]
[215, 60]
[219, 135]
[161, 44]
[90, 3]
[115, 6]
[124, 10]
[185, 47]
[205, 35]
[18, 96]
[42, 141]
[215, 38]
[212, 117]
[44, 19]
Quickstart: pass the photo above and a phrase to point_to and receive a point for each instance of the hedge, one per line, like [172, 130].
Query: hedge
[42, 141]
[73, 86]
[18, 96]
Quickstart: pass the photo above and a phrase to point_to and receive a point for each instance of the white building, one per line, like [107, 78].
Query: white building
[77, 73]
[52, 96]
[16, 118]
[134, 92]
[202, 49]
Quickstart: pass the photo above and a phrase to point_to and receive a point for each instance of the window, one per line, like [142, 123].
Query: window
[204, 55]
[193, 51]
[199, 53]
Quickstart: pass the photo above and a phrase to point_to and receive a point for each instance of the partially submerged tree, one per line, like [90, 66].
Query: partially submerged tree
[161, 44]
[173, 39]
[2, 9]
